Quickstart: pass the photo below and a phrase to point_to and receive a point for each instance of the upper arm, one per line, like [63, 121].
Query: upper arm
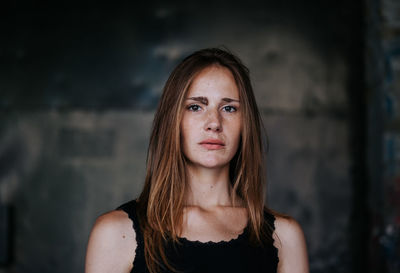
[112, 244]
[291, 244]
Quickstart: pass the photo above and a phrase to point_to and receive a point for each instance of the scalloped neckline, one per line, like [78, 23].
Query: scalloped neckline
[222, 242]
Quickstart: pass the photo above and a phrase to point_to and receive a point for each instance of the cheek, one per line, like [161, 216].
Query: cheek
[186, 131]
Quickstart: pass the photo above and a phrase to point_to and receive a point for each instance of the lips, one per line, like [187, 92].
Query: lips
[212, 144]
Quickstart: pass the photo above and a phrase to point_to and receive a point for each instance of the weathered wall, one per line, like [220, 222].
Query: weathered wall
[80, 84]
[383, 82]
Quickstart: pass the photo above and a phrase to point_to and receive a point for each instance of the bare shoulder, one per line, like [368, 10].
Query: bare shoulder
[291, 244]
[112, 244]
[113, 221]
[287, 230]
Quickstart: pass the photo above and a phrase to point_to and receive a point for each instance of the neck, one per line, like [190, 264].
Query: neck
[209, 187]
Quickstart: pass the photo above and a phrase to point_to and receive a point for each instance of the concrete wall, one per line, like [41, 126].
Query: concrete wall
[80, 85]
[383, 82]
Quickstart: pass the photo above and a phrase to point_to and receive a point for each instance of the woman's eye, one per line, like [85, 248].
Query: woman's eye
[229, 109]
[194, 107]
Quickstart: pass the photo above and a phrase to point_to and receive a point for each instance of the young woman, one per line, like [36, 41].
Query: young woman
[202, 207]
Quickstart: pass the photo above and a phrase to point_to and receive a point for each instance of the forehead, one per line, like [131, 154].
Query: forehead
[214, 81]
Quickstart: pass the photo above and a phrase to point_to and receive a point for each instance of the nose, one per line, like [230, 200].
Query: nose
[213, 122]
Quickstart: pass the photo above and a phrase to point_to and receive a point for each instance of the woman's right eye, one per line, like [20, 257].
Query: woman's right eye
[194, 107]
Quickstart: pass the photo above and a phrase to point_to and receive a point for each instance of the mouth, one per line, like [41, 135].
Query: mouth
[212, 144]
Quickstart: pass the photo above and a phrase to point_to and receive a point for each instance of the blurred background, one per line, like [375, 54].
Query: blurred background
[79, 84]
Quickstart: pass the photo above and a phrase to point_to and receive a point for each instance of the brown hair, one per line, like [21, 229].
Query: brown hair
[161, 203]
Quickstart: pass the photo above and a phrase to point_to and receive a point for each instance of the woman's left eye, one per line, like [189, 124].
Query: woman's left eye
[229, 109]
[194, 107]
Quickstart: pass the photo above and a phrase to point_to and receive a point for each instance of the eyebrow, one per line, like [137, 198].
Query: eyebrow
[230, 100]
[204, 100]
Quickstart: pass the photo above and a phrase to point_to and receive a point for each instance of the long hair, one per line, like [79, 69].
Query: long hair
[161, 203]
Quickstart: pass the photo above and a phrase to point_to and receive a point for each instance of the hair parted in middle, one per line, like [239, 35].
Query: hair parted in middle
[161, 203]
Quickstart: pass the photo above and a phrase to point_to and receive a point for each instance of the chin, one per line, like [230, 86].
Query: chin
[212, 164]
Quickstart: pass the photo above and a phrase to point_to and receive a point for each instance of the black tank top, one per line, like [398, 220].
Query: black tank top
[236, 255]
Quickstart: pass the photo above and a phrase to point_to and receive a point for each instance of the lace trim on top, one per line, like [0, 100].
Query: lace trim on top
[235, 240]
[271, 221]
[130, 209]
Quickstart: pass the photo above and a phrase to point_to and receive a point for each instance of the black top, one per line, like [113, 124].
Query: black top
[236, 255]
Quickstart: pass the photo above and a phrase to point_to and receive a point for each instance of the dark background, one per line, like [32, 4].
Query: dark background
[79, 84]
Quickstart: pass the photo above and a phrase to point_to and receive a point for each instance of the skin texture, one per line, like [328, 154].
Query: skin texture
[212, 111]
[112, 244]
[291, 244]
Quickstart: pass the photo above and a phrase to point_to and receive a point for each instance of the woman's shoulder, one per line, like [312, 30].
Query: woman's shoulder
[112, 243]
[287, 228]
[113, 223]
[291, 244]
[282, 224]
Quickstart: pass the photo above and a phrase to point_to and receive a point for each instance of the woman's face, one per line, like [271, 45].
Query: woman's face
[211, 123]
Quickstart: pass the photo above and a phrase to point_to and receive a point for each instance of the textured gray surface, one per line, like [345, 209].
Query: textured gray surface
[58, 194]
[383, 81]
[308, 171]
